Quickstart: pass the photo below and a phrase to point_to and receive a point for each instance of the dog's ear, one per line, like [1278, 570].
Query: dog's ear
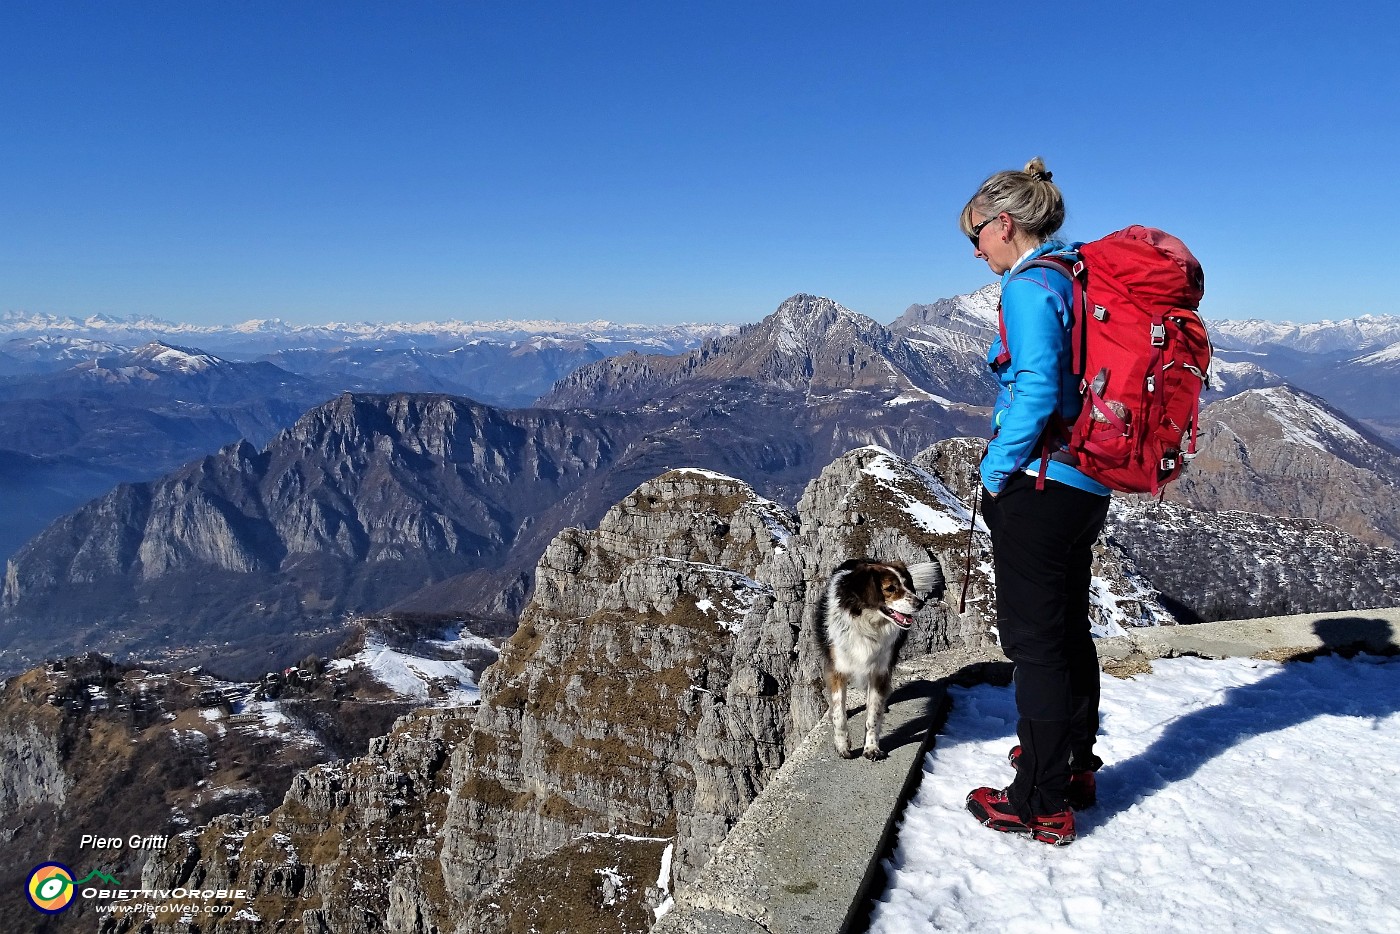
[927, 576]
[870, 580]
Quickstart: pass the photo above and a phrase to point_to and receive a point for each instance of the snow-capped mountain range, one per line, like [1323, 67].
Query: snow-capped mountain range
[259, 332]
[1353, 335]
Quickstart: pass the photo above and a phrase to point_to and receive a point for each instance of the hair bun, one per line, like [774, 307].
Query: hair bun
[1036, 170]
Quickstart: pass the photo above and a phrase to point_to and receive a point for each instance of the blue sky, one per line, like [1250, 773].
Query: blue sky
[668, 161]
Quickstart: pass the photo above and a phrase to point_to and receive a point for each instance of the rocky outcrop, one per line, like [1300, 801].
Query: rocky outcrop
[31, 772]
[1211, 564]
[589, 723]
[660, 676]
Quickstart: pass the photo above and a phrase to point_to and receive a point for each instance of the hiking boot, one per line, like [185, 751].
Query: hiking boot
[1082, 791]
[993, 809]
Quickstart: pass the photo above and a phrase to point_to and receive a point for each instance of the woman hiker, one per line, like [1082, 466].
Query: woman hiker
[1043, 528]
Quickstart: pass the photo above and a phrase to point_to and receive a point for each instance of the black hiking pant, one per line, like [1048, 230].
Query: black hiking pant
[1042, 546]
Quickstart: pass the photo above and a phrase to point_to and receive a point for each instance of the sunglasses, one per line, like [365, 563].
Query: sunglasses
[975, 234]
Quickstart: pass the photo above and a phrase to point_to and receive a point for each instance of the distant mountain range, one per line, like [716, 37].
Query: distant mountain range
[1354, 364]
[433, 502]
[68, 435]
[271, 334]
[1351, 336]
[103, 411]
[364, 501]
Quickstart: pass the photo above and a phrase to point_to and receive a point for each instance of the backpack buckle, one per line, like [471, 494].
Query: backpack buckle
[1100, 312]
[1159, 334]
[1077, 269]
[1168, 464]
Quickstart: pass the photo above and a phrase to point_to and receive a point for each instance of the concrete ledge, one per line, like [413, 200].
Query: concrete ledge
[1376, 631]
[806, 856]
[806, 853]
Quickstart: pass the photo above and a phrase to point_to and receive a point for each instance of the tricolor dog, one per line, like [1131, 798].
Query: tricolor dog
[860, 625]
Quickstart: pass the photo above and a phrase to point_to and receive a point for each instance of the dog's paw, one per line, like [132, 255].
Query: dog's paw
[875, 754]
[847, 753]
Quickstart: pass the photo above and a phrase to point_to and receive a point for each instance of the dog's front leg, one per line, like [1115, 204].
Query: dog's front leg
[836, 694]
[875, 697]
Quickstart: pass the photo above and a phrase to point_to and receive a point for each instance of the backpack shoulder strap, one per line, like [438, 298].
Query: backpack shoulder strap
[1072, 271]
[1076, 273]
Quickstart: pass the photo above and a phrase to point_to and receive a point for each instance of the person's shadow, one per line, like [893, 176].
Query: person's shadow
[1295, 694]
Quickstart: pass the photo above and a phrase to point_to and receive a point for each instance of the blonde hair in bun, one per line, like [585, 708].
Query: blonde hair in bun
[1029, 196]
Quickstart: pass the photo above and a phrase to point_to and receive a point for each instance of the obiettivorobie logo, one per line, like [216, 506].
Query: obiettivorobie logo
[51, 886]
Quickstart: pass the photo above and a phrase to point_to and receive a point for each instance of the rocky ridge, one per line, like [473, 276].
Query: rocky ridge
[1283, 452]
[363, 501]
[809, 345]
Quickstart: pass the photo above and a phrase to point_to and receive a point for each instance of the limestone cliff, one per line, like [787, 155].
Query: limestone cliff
[364, 501]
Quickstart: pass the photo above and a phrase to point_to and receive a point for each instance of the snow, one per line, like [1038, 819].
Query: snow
[663, 883]
[1386, 355]
[918, 395]
[786, 339]
[178, 358]
[1135, 605]
[598, 331]
[735, 591]
[1238, 795]
[949, 517]
[1224, 372]
[1363, 333]
[1304, 422]
[613, 887]
[412, 676]
[707, 474]
[663, 878]
[776, 530]
[981, 305]
[269, 712]
[465, 641]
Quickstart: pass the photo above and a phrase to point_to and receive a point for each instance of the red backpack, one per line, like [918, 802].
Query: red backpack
[1141, 353]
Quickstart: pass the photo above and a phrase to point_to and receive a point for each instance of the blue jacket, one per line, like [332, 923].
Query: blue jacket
[1036, 307]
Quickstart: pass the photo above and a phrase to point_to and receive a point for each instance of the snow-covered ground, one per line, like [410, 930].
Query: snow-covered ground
[415, 677]
[1238, 795]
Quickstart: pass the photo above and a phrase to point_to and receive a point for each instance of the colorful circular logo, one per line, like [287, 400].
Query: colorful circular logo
[51, 887]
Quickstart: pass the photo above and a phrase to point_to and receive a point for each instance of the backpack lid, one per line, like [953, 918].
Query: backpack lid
[1151, 261]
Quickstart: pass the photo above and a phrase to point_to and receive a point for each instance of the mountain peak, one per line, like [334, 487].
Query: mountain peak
[1299, 418]
[170, 357]
[805, 323]
[973, 314]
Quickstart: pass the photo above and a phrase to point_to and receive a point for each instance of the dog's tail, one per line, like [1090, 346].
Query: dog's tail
[928, 577]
